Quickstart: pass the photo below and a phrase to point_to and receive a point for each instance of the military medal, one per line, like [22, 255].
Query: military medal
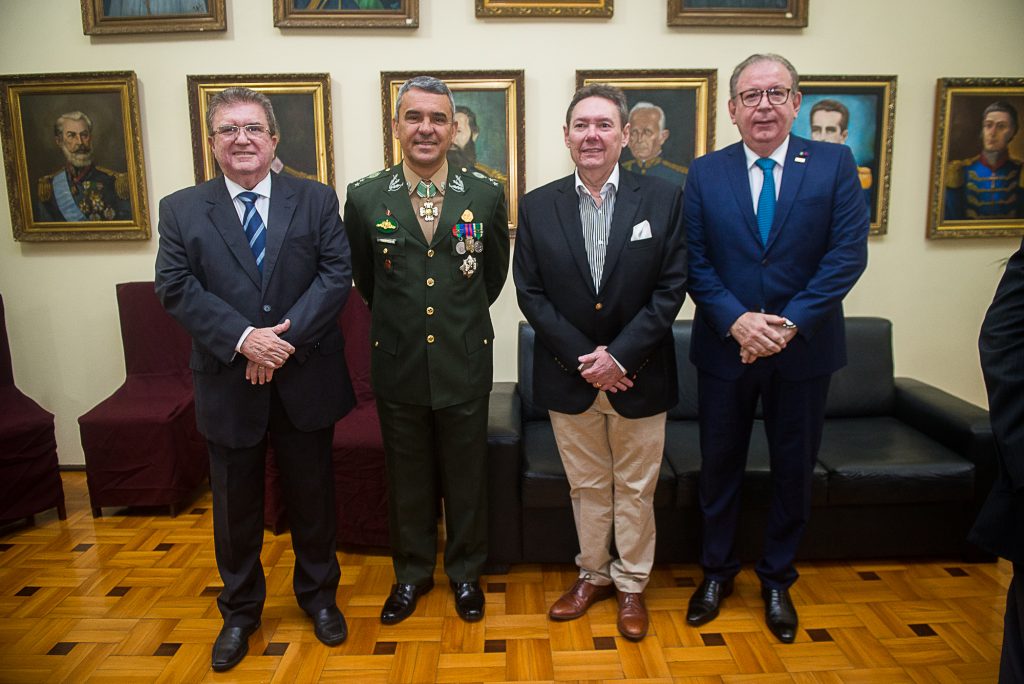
[468, 266]
[426, 190]
[468, 240]
[467, 216]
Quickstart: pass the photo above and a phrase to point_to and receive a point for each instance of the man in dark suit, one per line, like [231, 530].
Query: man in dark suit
[430, 255]
[256, 267]
[1000, 524]
[600, 272]
[777, 234]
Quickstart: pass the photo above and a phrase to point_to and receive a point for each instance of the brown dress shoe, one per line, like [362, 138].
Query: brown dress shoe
[632, 621]
[574, 603]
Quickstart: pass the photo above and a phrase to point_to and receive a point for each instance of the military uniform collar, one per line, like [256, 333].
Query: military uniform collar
[439, 179]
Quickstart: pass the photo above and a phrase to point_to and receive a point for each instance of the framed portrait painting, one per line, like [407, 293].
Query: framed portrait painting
[671, 117]
[101, 17]
[302, 107]
[977, 187]
[545, 8]
[73, 156]
[491, 137]
[347, 13]
[857, 111]
[762, 13]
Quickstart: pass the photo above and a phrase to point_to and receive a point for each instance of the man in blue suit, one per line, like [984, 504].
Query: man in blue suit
[777, 235]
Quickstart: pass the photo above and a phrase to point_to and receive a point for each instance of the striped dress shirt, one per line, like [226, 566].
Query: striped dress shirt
[597, 222]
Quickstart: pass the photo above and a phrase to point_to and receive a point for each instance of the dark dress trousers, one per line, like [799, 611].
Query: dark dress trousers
[642, 287]
[816, 251]
[1000, 524]
[206, 277]
[431, 364]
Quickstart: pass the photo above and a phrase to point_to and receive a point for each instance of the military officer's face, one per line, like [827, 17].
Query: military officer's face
[825, 126]
[75, 141]
[243, 155]
[425, 129]
[764, 126]
[645, 134]
[595, 136]
[996, 132]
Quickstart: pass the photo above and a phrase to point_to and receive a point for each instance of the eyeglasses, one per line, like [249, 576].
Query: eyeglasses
[776, 96]
[251, 131]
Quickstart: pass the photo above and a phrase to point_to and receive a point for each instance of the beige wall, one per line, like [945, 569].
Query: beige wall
[61, 313]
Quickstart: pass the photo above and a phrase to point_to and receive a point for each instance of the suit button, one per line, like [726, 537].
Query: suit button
[598, 306]
[764, 262]
[266, 308]
[430, 252]
[430, 282]
[376, 343]
[485, 342]
[430, 311]
[430, 339]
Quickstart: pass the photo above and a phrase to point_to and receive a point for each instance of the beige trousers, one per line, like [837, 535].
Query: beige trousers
[612, 464]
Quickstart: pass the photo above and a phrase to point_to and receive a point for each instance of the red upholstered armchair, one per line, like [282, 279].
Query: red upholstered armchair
[142, 447]
[29, 476]
[360, 481]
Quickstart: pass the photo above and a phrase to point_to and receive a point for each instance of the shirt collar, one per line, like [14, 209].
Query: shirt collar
[262, 188]
[439, 179]
[779, 155]
[613, 181]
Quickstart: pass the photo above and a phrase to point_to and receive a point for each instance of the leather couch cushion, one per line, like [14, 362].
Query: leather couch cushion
[865, 386]
[544, 481]
[882, 460]
[682, 452]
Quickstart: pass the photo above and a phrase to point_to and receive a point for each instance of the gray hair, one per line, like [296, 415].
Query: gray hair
[428, 84]
[58, 126]
[640, 106]
[609, 92]
[765, 57]
[239, 95]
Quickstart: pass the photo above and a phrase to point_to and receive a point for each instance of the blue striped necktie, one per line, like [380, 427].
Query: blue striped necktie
[255, 231]
[766, 200]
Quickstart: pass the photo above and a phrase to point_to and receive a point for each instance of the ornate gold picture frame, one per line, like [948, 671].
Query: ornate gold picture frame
[302, 106]
[104, 17]
[760, 13]
[596, 9]
[672, 112]
[73, 156]
[976, 178]
[858, 111]
[334, 14]
[489, 106]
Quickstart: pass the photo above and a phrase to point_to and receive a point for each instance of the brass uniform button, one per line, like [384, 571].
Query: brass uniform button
[385, 250]
[430, 252]
[430, 311]
[376, 343]
[430, 282]
[430, 339]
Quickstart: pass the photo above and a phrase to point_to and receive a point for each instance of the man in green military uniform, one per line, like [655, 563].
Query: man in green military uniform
[80, 191]
[430, 253]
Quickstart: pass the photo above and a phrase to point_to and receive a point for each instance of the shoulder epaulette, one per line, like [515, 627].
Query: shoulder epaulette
[675, 167]
[120, 181]
[482, 177]
[955, 173]
[44, 188]
[366, 179]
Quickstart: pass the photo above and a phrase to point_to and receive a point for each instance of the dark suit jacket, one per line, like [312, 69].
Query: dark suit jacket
[430, 324]
[1000, 524]
[816, 251]
[642, 287]
[207, 279]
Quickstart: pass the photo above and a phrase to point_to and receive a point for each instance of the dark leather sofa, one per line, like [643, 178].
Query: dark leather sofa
[902, 470]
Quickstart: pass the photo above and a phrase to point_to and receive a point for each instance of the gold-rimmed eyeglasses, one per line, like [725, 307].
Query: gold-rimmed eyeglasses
[776, 96]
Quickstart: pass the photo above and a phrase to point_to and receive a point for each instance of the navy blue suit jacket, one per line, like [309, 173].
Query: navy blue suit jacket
[816, 251]
[642, 287]
[207, 279]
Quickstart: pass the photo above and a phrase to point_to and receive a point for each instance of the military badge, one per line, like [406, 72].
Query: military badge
[468, 238]
[395, 184]
[458, 185]
[467, 216]
[386, 226]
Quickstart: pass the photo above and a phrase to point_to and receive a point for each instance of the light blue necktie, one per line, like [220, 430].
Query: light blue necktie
[255, 230]
[766, 200]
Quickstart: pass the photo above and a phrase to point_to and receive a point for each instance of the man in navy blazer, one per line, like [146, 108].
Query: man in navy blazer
[256, 267]
[600, 273]
[777, 231]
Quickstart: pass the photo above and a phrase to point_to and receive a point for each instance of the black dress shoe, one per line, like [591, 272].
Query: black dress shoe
[231, 646]
[706, 601]
[469, 600]
[402, 601]
[779, 614]
[329, 626]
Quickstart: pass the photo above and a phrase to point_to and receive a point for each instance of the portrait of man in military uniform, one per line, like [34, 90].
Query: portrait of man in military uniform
[987, 185]
[463, 152]
[647, 136]
[80, 190]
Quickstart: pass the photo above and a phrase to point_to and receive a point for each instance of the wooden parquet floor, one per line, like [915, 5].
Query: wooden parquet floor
[131, 598]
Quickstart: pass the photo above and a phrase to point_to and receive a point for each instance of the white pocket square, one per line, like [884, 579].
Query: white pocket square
[641, 231]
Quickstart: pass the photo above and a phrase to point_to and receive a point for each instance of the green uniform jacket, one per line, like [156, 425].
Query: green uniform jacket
[431, 328]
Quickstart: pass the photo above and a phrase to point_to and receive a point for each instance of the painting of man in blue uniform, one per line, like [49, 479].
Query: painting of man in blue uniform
[988, 185]
[80, 190]
[347, 4]
[647, 137]
[149, 8]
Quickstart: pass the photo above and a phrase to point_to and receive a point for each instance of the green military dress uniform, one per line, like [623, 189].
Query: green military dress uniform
[431, 358]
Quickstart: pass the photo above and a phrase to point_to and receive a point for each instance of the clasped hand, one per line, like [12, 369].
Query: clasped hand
[601, 371]
[266, 352]
[760, 335]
